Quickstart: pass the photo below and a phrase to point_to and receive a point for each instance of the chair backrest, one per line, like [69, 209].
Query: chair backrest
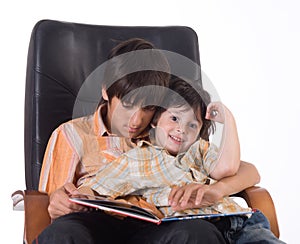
[61, 56]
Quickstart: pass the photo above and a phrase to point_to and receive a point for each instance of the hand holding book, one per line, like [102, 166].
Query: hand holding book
[137, 207]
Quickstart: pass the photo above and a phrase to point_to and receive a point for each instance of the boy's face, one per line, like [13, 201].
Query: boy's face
[177, 129]
[127, 120]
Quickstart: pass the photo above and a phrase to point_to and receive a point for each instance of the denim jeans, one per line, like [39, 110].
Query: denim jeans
[255, 229]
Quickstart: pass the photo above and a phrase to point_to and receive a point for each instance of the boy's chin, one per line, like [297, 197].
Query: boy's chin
[173, 151]
[176, 152]
[132, 135]
[125, 134]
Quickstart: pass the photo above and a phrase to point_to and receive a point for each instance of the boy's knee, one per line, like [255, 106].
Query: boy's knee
[196, 231]
[65, 231]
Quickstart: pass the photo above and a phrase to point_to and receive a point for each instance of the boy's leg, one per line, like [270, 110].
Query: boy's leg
[181, 232]
[88, 227]
[255, 229]
[98, 227]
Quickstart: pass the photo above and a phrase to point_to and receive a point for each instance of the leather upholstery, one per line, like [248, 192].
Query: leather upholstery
[36, 214]
[61, 56]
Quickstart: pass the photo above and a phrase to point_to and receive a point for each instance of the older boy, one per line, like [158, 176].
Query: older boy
[73, 152]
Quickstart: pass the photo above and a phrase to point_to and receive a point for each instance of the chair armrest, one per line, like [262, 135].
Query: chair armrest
[259, 198]
[18, 200]
[36, 214]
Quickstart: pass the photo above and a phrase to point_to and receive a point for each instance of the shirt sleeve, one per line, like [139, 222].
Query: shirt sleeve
[210, 155]
[201, 156]
[59, 163]
[113, 180]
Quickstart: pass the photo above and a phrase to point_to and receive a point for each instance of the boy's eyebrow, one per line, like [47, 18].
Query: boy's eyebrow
[177, 110]
[174, 112]
[182, 111]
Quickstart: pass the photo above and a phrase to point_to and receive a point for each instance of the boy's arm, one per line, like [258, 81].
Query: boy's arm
[195, 195]
[246, 176]
[59, 165]
[229, 156]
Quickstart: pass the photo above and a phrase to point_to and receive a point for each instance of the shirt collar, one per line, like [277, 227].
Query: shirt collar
[142, 143]
[100, 128]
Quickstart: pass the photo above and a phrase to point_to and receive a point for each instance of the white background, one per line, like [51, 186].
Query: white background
[249, 50]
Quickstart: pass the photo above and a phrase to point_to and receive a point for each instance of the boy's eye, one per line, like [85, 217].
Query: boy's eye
[174, 118]
[193, 126]
[126, 104]
[149, 108]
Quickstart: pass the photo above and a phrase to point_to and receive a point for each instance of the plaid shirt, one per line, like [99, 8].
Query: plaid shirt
[150, 171]
[77, 150]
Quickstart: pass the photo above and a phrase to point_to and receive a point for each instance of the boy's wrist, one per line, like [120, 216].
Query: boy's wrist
[221, 189]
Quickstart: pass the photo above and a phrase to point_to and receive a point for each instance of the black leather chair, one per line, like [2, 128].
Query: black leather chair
[61, 56]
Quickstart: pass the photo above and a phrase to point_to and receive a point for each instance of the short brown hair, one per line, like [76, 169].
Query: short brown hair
[141, 86]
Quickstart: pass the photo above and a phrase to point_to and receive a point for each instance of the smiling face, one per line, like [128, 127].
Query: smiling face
[177, 129]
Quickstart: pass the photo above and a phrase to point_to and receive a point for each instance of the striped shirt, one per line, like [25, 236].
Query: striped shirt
[77, 149]
[150, 171]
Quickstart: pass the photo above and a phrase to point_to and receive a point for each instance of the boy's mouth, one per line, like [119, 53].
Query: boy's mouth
[176, 139]
[133, 130]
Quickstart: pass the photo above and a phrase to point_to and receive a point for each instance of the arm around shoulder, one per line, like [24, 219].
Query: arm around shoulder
[246, 176]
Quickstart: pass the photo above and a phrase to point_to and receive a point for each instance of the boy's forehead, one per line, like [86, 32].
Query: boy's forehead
[183, 111]
[135, 101]
[143, 98]
[180, 110]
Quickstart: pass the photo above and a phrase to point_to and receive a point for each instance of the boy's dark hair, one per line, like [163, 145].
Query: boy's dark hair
[182, 93]
[128, 78]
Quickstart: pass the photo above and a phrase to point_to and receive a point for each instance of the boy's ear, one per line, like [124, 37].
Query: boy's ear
[104, 94]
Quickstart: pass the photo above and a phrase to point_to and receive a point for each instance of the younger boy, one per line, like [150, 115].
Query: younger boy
[176, 158]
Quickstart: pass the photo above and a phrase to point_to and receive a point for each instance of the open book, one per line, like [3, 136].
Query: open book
[128, 209]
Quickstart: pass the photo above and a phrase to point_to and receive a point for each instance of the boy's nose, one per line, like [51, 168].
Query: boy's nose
[136, 119]
[180, 128]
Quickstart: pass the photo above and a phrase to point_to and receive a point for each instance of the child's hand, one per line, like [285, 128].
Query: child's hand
[187, 196]
[193, 195]
[216, 111]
